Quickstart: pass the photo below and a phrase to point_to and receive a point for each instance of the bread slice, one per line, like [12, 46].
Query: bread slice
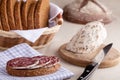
[30, 17]
[24, 12]
[17, 15]
[10, 13]
[41, 13]
[32, 72]
[33, 66]
[3, 14]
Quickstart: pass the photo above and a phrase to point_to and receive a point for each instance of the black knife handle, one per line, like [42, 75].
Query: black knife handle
[89, 69]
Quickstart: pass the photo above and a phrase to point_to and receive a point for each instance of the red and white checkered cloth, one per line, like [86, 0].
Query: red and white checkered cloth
[27, 51]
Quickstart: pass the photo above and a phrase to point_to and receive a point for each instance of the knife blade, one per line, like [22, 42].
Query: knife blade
[89, 69]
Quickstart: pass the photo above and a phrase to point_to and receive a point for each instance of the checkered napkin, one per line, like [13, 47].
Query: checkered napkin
[25, 50]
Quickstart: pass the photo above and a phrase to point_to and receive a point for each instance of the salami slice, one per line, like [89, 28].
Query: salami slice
[22, 63]
[53, 61]
[43, 60]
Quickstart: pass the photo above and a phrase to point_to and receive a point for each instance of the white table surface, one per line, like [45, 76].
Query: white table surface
[69, 29]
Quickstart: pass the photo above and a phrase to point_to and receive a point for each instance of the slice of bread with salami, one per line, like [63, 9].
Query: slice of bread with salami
[32, 66]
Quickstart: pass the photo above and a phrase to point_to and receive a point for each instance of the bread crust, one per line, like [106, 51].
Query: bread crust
[0, 24]
[0, 19]
[32, 72]
[73, 13]
[3, 14]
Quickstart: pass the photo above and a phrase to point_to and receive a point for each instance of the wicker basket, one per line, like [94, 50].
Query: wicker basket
[9, 39]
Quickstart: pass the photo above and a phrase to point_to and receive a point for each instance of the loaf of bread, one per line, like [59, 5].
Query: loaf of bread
[32, 66]
[23, 14]
[85, 11]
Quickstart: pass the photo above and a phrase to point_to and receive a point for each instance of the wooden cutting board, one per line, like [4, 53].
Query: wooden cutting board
[111, 59]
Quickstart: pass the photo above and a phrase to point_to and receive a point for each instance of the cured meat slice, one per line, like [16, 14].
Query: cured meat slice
[53, 61]
[43, 60]
[22, 63]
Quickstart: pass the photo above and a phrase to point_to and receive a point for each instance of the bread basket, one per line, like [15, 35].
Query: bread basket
[9, 39]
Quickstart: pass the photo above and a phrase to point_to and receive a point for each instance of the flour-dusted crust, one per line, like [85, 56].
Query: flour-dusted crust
[111, 59]
[10, 13]
[85, 11]
[42, 13]
[17, 15]
[3, 14]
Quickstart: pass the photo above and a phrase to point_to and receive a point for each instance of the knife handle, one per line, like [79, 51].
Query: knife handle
[89, 69]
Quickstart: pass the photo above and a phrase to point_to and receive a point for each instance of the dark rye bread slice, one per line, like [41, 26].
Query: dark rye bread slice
[3, 14]
[10, 13]
[17, 15]
[30, 18]
[24, 12]
[41, 13]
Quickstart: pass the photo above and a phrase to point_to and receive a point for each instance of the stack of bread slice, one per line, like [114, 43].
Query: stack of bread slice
[23, 14]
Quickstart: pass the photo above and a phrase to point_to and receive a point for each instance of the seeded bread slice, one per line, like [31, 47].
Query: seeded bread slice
[3, 14]
[30, 18]
[24, 12]
[10, 13]
[41, 13]
[17, 15]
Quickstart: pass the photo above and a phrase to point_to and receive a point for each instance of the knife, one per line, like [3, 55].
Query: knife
[89, 69]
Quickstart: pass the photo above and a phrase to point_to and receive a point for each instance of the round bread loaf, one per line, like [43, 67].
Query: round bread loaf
[84, 11]
[32, 66]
